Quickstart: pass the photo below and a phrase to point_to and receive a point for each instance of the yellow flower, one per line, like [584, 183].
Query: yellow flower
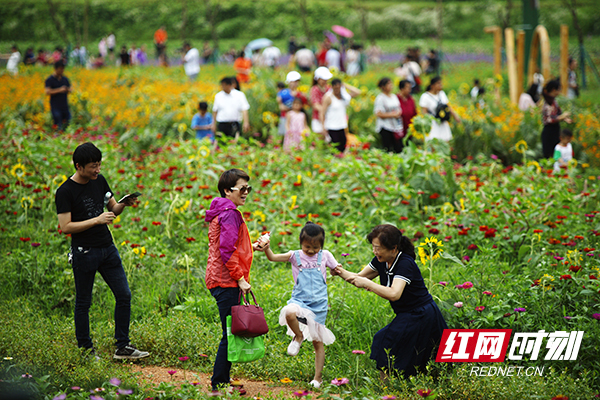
[18, 171]
[286, 380]
[117, 220]
[521, 146]
[536, 165]
[183, 207]
[203, 152]
[260, 215]
[59, 179]
[572, 163]
[123, 243]
[585, 165]
[182, 127]
[430, 249]
[294, 198]
[140, 251]
[464, 88]
[26, 202]
[299, 179]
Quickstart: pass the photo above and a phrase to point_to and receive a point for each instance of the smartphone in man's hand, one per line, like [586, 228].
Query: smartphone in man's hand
[133, 195]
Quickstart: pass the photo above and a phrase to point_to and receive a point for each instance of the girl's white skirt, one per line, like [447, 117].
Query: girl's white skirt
[312, 330]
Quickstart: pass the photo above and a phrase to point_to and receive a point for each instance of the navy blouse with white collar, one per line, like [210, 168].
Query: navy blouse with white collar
[415, 292]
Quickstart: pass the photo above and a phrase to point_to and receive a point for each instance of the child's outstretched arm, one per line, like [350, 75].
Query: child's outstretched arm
[284, 257]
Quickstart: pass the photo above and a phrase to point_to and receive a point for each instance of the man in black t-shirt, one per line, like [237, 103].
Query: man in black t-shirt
[58, 87]
[80, 203]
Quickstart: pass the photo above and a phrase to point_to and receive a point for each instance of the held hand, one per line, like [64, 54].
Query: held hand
[105, 218]
[336, 271]
[568, 120]
[257, 246]
[244, 286]
[358, 281]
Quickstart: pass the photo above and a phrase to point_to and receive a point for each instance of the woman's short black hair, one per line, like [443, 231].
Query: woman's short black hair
[312, 232]
[86, 153]
[383, 81]
[229, 178]
[391, 238]
[226, 81]
[403, 83]
[336, 81]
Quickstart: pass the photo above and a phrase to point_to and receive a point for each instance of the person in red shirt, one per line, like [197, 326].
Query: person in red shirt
[160, 40]
[243, 67]
[322, 53]
[407, 104]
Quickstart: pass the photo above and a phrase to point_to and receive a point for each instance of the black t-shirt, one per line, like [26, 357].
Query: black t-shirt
[415, 292]
[85, 202]
[125, 60]
[58, 101]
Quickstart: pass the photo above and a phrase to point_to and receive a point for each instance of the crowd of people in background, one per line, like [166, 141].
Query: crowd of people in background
[328, 98]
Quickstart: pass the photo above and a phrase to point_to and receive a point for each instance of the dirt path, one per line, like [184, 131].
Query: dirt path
[150, 374]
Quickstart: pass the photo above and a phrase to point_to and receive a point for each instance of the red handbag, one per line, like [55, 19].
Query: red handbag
[248, 320]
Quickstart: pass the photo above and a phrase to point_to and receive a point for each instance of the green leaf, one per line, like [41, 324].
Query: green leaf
[524, 250]
[450, 257]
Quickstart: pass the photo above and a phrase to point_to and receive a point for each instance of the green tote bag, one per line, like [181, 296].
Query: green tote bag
[243, 349]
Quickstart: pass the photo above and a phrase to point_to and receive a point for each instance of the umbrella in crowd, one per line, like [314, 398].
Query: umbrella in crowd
[331, 36]
[340, 30]
[257, 44]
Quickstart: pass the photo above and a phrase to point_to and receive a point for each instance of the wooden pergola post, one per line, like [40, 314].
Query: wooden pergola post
[509, 39]
[540, 42]
[497, 32]
[520, 62]
[564, 59]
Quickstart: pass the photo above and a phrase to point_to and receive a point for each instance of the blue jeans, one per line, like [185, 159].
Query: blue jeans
[61, 116]
[106, 260]
[226, 298]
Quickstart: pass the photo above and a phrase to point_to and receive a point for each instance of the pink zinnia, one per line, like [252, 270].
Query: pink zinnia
[358, 352]
[480, 308]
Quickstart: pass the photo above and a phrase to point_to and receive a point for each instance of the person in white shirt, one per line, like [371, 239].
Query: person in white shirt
[475, 90]
[230, 106]
[528, 99]
[305, 59]
[333, 59]
[563, 151]
[191, 61]
[270, 56]
[111, 43]
[432, 102]
[13, 61]
[388, 111]
[334, 117]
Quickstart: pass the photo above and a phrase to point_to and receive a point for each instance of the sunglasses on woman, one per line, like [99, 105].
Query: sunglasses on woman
[243, 189]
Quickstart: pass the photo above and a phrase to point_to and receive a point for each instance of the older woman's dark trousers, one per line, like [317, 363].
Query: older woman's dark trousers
[226, 298]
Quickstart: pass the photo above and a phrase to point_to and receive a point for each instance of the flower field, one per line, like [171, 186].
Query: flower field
[500, 245]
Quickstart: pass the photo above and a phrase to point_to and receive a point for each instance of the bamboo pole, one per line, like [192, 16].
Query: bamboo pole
[564, 59]
[520, 62]
[497, 32]
[509, 39]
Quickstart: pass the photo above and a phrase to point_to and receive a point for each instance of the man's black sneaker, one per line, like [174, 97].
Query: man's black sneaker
[129, 353]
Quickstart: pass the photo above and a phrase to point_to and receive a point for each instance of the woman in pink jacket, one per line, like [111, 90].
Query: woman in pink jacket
[230, 255]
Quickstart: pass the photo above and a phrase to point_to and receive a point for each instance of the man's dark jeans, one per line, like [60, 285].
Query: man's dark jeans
[226, 298]
[61, 118]
[106, 260]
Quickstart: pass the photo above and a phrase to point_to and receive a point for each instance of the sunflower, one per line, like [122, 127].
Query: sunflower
[430, 249]
[26, 202]
[203, 152]
[521, 146]
[18, 171]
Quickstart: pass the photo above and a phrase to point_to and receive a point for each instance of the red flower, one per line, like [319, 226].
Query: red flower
[490, 233]
[301, 215]
[190, 239]
[425, 393]
[483, 228]
[25, 239]
[404, 202]
[265, 182]
[207, 197]
[144, 229]
[574, 268]
[297, 183]
[156, 223]
[434, 231]
[472, 247]
[463, 232]
[336, 214]
[593, 276]
[480, 308]
[565, 277]
[560, 397]
[403, 218]
[538, 231]
[434, 196]
[588, 249]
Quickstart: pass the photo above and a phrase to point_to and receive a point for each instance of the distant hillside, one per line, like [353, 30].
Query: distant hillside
[32, 20]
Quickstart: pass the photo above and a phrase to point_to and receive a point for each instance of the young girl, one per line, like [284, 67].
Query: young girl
[306, 311]
[295, 126]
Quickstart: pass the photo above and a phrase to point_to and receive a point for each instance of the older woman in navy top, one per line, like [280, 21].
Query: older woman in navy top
[417, 328]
